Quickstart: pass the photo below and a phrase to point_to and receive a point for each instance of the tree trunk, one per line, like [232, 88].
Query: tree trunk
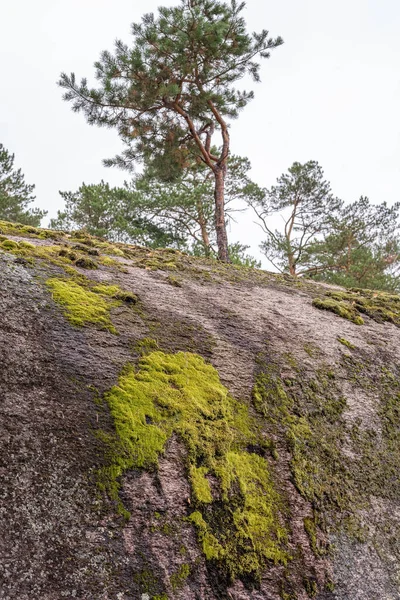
[220, 226]
[291, 261]
[292, 267]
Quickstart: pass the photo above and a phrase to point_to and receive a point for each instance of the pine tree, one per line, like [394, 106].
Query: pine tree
[174, 89]
[239, 256]
[304, 200]
[15, 194]
[112, 213]
[361, 249]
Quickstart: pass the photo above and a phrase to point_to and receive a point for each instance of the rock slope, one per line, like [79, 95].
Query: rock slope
[175, 428]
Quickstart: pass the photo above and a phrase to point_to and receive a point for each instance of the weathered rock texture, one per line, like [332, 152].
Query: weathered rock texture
[60, 537]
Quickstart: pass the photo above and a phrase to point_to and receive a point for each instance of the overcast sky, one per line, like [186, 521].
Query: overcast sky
[331, 93]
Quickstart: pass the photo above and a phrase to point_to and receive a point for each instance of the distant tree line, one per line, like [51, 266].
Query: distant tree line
[320, 237]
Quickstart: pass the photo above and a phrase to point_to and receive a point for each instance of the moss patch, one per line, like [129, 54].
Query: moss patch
[114, 291]
[107, 261]
[180, 394]
[307, 414]
[174, 280]
[9, 245]
[346, 343]
[379, 306]
[310, 414]
[307, 417]
[86, 303]
[86, 263]
[81, 306]
[18, 229]
[178, 579]
[340, 308]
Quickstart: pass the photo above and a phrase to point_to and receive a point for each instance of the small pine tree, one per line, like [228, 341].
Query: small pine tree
[361, 249]
[304, 200]
[15, 194]
[112, 213]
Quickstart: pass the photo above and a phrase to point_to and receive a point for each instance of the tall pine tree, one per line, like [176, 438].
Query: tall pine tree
[174, 89]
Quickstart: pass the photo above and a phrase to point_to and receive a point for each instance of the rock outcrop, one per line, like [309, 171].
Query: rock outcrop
[175, 428]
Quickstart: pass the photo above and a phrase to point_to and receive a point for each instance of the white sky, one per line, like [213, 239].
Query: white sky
[331, 93]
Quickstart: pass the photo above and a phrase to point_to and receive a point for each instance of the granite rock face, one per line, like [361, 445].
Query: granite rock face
[324, 391]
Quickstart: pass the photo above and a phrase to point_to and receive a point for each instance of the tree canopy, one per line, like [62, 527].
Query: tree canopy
[173, 89]
[113, 213]
[15, 194]
[361, 248]
[304, 200]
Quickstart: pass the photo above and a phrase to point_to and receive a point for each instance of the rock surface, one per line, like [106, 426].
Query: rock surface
[60, 537]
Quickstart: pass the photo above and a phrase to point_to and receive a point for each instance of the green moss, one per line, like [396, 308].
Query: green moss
[108, 262]
[147, 345]
[83, 237]
[178, 579]
[379, 306]
[147, 581]
[212, 548]
[312, 349]
[174, 280]
[26, 245]
[159, 265]
[49, 253]
[286, 591]
[86, 263]
[346, 343]
[82, 306]
[330, 586]
[308, 416]
[311, 587]
[9, 245]
[343, 309]
[66, 253]
[27, 250]
[375, 472]
[26, 230]
[200, 484]
[182, 394]
[114, 291]
[310, 526]
[106, 247]
[154, 260]
[107, 290]
[86, 249]
[291, 360]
